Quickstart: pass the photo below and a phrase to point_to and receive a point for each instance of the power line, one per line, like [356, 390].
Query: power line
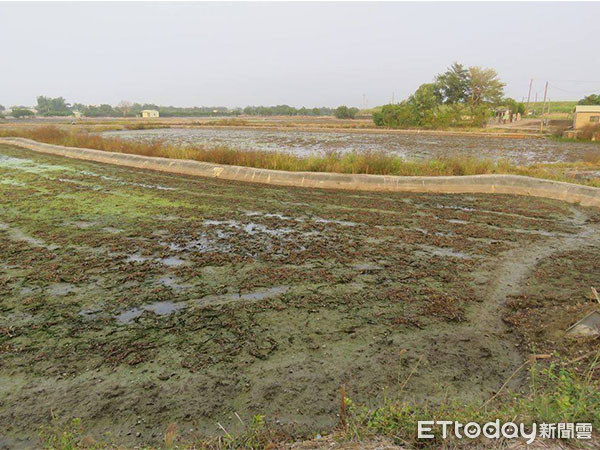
[574, 81]
[570, 91]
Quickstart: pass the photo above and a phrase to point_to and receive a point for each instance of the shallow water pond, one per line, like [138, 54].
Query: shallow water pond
[304, 143]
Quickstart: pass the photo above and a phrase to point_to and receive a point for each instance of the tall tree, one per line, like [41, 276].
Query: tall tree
[454, 85]
[125, 106]
[47, 106]
[485, 86]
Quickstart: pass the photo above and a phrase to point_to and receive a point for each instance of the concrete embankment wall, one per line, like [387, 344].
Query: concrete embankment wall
[486, 184]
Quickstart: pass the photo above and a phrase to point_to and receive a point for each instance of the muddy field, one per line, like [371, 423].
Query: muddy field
[518, 150]
[133, 299]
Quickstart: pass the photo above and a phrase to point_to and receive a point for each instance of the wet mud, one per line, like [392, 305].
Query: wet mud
[134, 299]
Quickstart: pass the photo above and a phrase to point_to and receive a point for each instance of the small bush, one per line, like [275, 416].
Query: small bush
[19, 113]
[590, 133]
[343, 112]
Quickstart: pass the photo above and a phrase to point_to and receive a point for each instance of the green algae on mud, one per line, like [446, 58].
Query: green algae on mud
[250, 299]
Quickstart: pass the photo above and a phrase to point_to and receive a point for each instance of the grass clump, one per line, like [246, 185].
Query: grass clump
[556, 394]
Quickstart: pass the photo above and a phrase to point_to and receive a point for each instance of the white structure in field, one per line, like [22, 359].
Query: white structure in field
[149, 113]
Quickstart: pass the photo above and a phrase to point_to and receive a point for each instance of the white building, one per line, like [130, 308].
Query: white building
[149, 113]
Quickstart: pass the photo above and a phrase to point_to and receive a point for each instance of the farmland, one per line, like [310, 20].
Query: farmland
[134, 299]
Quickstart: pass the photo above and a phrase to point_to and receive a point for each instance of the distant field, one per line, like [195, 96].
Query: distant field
[557, 109]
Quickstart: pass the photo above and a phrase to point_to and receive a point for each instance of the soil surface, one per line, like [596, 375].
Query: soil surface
[133, 299]
[521, 151]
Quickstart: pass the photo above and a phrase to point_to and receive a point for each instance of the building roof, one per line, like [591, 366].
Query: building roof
[587, 108]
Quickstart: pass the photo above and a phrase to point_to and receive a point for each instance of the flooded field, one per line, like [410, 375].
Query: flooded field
[134, 299]
[519, 151]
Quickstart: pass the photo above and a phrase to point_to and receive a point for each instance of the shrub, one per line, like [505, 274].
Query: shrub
[590, 133]
[19, 113]
[343, 112]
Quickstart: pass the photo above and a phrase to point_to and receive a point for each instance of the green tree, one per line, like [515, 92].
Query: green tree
[514, 106]
[454, 85]
[590, 100]
[485, 86]
[18, 112]
[343, 112]
[103, 110]
[48, 106]
[424, 101]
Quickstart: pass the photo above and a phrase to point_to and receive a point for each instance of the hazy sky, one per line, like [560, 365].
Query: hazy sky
[302, 54]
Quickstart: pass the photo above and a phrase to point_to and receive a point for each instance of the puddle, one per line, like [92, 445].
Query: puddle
[60, 289]
[82, 224]
[158, 308]
[250, 296]
[255, 228]
[269, 215]
[172, 282]
[202, 244]
[11, 182]
[17, 235]
[172, 261]
[458, 221]
[538, 232]
[29, 165]
[367, 268]
[459, 208]
[136, 257]
[344, 223]
[251, 228]
[112, 230]
[122, 182]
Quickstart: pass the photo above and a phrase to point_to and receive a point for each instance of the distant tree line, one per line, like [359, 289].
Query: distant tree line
[48, 106]
[458, 97]
[286, 110]
[125, 109]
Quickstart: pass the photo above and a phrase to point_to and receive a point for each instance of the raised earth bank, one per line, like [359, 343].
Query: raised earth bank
[501, 184]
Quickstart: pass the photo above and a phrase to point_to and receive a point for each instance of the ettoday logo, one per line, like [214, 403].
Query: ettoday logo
[427, 429]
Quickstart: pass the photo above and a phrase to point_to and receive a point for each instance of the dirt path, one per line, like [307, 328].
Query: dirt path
[483, 335]
[517, 264]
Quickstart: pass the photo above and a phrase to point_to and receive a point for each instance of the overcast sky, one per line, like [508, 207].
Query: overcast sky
[301, 54]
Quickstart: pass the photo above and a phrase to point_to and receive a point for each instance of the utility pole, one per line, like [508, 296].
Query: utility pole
[544, 107]
[392, 97]
[528, 96]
